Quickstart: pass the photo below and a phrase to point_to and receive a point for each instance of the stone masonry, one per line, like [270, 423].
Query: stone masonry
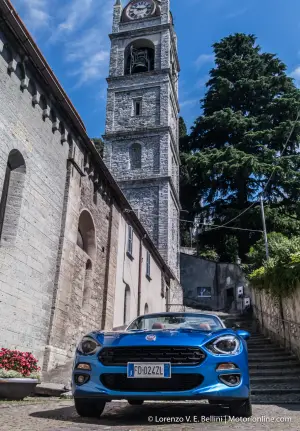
[60, 210]
[152, 187]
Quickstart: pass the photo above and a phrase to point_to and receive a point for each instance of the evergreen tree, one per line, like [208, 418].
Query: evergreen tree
[247, 115]
[187, 190]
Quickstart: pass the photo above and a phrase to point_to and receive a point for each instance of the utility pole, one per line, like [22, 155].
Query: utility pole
[264, 225]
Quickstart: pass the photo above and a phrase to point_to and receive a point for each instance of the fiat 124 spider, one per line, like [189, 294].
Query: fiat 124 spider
[163, 356]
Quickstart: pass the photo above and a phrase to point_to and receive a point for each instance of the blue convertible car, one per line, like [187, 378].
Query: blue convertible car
[164, 356]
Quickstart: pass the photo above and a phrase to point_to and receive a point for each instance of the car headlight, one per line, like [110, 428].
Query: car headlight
[226, 345]
[88, 346]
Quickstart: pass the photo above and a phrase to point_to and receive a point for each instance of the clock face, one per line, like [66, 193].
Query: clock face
[140, 9]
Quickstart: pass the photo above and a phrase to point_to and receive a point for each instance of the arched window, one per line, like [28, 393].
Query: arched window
[146, 310]
[86, 236]
[135, 155]
[139, 57]
[87, 284]
[127, 305]
[11, 198]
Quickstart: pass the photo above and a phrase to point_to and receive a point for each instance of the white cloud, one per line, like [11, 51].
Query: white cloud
[189, 102]
[202, 81]
[204, 59]
[296, 75]
[236, 13]
[36, 13]
[76, 14]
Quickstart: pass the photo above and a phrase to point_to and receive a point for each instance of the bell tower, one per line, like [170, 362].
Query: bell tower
[141, 136]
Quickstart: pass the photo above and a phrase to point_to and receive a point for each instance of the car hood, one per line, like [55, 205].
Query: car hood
[182, 337]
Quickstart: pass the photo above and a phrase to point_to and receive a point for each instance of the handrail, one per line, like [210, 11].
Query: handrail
[292, 322]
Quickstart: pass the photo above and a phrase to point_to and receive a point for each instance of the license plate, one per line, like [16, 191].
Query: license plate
[148, 371]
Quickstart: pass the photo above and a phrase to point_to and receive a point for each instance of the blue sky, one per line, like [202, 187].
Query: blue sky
[73, 36]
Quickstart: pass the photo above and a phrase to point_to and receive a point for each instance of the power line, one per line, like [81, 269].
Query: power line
[283, 150]
[192, 222]
[269, 180]
[225, 225]
[228, 227]
[238, 216]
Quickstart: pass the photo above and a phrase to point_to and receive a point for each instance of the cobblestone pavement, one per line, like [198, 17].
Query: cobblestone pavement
[54, 415]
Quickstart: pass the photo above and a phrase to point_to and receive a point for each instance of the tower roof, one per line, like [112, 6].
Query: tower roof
[139, 9]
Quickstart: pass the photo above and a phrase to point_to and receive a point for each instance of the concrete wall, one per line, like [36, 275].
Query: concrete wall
[222, 281]
[279, 318]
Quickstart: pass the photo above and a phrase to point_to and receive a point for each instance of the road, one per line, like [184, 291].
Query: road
[55, 414]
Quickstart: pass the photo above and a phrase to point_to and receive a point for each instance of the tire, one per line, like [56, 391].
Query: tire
[135, 402]
[89, 408]
[241, 409]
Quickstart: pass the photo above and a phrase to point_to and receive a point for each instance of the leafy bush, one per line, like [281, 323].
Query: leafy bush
[280, 249]
[11, 374]
[15, 361]
[280, 275]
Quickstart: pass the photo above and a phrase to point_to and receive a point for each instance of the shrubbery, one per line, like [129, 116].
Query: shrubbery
[280, 275]
[14, 363]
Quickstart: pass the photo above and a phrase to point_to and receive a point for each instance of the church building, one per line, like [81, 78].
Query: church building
[87, 243]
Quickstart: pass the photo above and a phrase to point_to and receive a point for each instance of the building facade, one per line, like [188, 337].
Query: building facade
[209, 285]
[141, 137]
[74, 256]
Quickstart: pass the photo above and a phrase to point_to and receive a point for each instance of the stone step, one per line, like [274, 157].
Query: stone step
[273, 390]
[287, 379]
[266, 350]
[264, 357]
[273, 365]
[289, 372]
[261, 344]
[275, 399]
[50, 389]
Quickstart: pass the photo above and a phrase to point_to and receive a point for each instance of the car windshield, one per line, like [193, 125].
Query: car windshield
[202, 322]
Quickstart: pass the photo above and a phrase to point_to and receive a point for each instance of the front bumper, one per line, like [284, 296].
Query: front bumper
[211, 387]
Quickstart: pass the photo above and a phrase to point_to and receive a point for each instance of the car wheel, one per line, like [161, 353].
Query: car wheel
[241, 409]
[89, 408]
[135, 402]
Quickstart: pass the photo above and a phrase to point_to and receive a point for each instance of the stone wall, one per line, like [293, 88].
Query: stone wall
[85, 290]
[29, 245]
[152, 188]
[279, 319]
[59, 237]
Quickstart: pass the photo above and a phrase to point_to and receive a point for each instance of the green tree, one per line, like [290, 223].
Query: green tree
[187, 189]
[280, 249]
[99, 145]
[247, 115]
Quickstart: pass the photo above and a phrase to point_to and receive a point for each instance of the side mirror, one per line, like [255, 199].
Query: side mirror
[243, 334]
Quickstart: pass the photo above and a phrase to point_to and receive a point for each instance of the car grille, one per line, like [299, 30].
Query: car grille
[177, 383]
[120, 356]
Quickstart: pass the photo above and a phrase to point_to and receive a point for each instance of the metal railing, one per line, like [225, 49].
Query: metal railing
[285, 332]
